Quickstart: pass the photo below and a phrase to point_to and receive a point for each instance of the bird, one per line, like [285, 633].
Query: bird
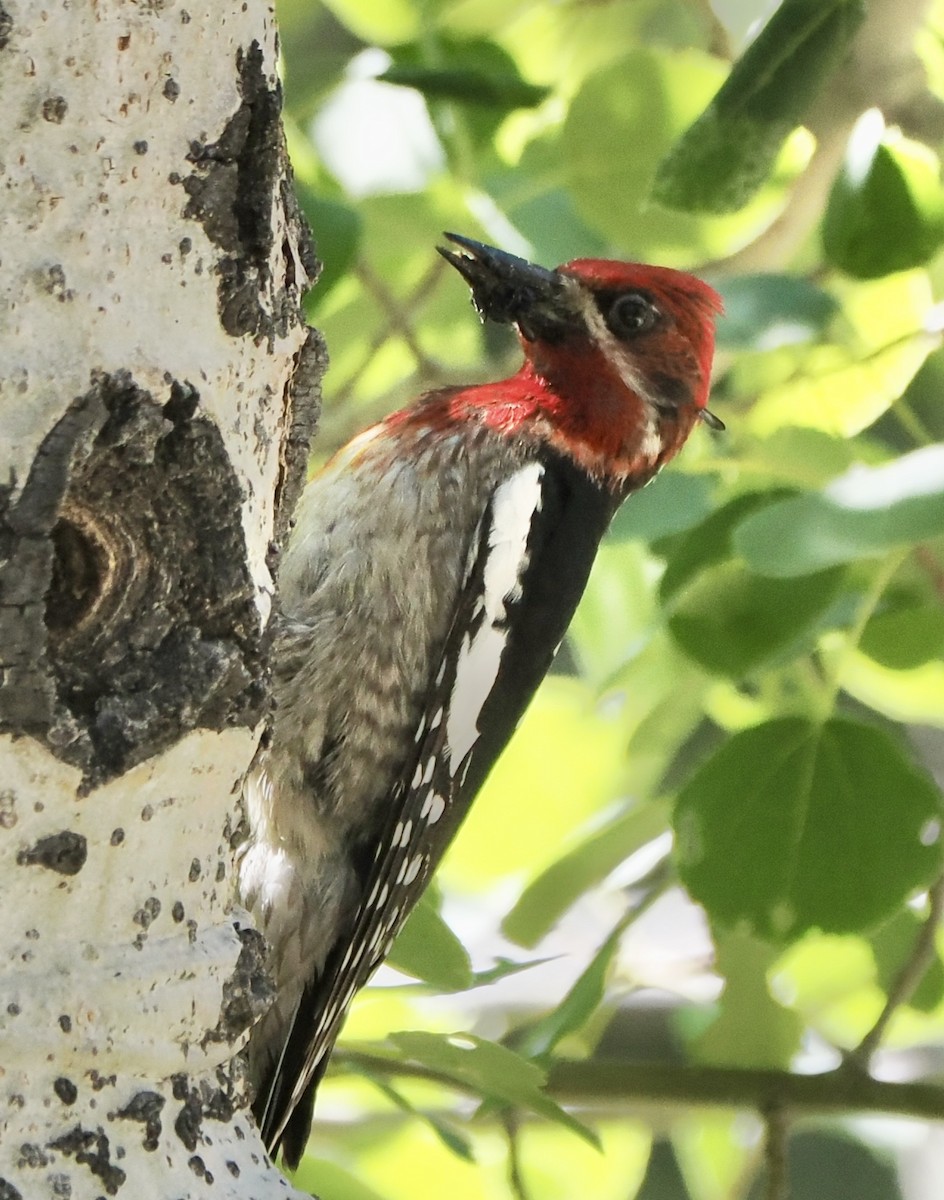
[429, 578]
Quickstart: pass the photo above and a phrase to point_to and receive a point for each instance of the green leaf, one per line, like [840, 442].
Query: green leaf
[830, 980]
[580, 1003]
[480, 16]
[475, 73]
[751, 1028]
[850, 395]
[504, 91]
[428, 949]
[713, 1155]
[722, 615]
[710, 542]
[914, 696]
[450, 1137]
[556, 1168]
[640, 104]
[672, 502]
[616, 617]
[796, 451]
[491, 1071]
[863, 513]
[886, 210]
[905, 637]
[793, 825]
[731, 621]
[547, 898]
[721, 160]
[843, 389]
[503, 968]
[329, 1181]
[762, 311]
[378, 24]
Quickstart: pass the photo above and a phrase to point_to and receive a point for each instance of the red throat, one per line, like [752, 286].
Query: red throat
[574, 403]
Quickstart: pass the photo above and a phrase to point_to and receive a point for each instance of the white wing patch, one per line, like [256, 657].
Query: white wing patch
[513, 508]
[433, 808]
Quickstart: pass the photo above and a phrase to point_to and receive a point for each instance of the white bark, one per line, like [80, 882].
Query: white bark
[156, 387]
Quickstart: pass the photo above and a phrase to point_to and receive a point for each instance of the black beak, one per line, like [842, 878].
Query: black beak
[709, 419]
[510, 290]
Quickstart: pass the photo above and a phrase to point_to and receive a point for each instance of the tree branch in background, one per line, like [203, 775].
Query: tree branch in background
[777, 1186]
[908, 978]
[642, 1085]
[398, 322]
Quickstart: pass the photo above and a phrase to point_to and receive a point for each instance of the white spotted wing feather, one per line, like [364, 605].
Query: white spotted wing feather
[527, 568]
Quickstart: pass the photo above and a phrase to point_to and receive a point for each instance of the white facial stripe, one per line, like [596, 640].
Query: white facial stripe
[515, 503]
[620, 357]
[650, 445]
[614, 351]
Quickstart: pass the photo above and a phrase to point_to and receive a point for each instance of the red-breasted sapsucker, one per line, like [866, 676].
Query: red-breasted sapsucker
[432, 572]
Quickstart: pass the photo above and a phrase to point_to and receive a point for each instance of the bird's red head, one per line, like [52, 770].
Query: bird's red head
[617, 357]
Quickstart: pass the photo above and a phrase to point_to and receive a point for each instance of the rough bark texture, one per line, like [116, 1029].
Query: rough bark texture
[158, 389]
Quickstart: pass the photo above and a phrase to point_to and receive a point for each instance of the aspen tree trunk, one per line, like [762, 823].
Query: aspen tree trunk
[157, 390]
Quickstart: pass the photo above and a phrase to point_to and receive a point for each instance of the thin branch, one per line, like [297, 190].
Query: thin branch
[642, 1084]
[864, 613]
[775, 1154]
[398, 317]
[515, 1178]
[931, 567]
[912, 972]
[736, 1087]
[719, 42]
[911, 422]
[398, 321]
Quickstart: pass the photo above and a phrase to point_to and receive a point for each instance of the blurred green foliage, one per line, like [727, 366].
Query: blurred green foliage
[758, 663]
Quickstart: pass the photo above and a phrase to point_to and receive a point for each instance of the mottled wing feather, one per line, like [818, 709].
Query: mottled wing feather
[325, 1003]
[564, 516]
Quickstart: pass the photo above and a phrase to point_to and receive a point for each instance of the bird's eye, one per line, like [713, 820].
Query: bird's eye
[631, 314]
